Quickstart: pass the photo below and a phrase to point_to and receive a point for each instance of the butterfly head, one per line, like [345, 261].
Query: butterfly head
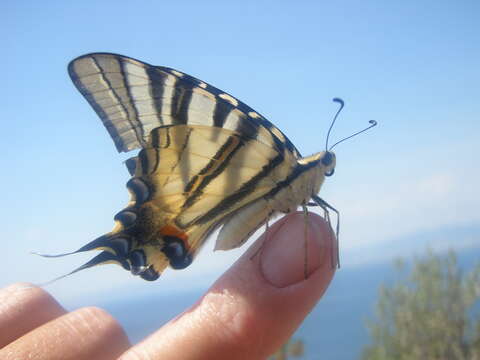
[328, 161]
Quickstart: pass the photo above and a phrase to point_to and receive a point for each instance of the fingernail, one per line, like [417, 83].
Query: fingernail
[285, 252]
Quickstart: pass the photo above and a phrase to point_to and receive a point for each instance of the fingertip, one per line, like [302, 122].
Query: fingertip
[86, 333]
[23, 307]
[296, 247]
[98, 324]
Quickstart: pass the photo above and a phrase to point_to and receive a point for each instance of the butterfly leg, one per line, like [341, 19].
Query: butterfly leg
[305, 241]
[326, 207]
[259, 250]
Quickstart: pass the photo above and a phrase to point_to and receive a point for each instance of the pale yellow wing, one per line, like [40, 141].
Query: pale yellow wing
[242, 224]
[132, 98]
[201, 175]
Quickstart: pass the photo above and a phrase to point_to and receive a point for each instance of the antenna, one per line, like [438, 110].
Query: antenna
[342, 104]
[373, 122]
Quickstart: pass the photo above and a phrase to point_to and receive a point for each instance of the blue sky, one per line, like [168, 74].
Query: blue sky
[412, 66]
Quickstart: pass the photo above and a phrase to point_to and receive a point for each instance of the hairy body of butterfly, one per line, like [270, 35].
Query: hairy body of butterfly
[206, 160]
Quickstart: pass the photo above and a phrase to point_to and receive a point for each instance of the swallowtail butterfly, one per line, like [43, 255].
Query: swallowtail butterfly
[206, 161]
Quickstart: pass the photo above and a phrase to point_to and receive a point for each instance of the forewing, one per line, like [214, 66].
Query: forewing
[132, 98]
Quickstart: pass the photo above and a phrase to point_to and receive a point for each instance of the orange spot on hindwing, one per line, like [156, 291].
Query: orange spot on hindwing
[170, 230]
[176, 247]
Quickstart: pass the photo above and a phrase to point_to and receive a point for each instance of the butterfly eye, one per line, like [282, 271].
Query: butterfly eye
[327, 159]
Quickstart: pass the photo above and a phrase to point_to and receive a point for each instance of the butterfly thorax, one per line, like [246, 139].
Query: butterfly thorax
[324, 162]
[304, 182]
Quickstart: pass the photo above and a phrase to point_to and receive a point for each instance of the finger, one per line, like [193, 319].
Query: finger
[257, 304]
[23, 307]
[87, 333]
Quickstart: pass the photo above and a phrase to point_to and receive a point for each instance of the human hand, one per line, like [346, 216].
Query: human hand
[247, 314]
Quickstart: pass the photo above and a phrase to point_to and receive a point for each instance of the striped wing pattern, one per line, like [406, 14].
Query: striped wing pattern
[132, 98]
[206, 159]
[190, 179]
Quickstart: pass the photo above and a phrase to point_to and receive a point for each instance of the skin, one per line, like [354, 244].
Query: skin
[247, 314]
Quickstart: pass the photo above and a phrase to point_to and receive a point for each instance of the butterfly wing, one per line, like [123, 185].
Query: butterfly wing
[206, 159]
[132, 98]
[242, 224]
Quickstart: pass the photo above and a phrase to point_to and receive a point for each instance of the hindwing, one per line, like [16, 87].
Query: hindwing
[199, 176]
[187, 181]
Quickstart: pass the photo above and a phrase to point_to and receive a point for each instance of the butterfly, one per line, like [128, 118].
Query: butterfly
[206, 161]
